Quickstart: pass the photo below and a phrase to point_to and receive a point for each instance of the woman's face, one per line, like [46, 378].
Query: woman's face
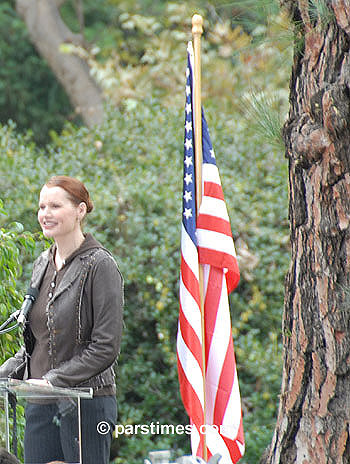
[57, 215]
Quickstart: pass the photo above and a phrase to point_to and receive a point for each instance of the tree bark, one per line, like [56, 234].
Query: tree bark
[47, 32]
[313, 423]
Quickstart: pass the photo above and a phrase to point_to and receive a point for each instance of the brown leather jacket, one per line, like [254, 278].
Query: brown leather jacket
[84, 319]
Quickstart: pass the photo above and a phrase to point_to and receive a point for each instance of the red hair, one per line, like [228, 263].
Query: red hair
[76, 190]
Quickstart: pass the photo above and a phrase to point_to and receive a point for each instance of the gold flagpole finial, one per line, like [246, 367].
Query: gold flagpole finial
[197, 24]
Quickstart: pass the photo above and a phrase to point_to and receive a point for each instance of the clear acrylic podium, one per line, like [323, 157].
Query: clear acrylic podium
[15, 393]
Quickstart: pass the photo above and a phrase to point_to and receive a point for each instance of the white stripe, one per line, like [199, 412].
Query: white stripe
[241, 447]
[190, 309]
[216, 444]
[221, 337]
[233, 412]
[232, 417]
[206, 270]
[195, 440]
[218, 349]
[190, 366]
[210, 173]
[189, 252]
[215, 241]
[214, 207]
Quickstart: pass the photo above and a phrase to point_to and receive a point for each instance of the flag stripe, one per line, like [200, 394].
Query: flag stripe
[209, 222]
[225, 385]
[194, 405]
[214, 207]
[218, 242]
[210, 170]
[189, 251]
[212, 189]
[189, 281]
[190, 314]
[190, 337]
[222, 260]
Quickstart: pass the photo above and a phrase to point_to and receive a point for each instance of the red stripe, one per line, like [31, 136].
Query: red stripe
[232, 279]
[211, 304]
[189, 280]
[209, 454]
[225, 384]
[232, 445]
[217, 258]
[240, 433]
[221, 260]
[233, 449]
[214, 223]
[214, 190]
[189, 397]
[190, 338]
[200, 447]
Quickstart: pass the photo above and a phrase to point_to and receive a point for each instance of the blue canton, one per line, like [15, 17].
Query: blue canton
[189, 189]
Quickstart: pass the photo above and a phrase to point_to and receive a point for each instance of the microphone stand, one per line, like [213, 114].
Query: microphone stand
[4, 327]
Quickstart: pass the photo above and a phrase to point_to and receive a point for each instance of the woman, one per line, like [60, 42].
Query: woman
[72, 337]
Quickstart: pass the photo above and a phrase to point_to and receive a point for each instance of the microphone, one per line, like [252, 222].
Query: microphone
[29, 299]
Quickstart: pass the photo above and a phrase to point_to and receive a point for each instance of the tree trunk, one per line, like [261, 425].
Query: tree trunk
[313, 422]
[47, 32]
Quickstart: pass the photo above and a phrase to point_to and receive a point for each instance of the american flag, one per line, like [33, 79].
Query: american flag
[211, 398]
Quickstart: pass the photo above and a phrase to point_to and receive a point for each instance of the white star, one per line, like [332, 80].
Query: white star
[188, 126]
[188, 179]
[187, 196]
[188, 213]
[188, 90]
[187, 72]
[188, 161]
[188, 108]
[212, 154]
[188, 144]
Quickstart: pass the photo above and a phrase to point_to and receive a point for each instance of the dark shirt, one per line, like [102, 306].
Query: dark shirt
[40, 360]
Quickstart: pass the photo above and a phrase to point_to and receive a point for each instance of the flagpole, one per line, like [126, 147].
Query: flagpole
[197, 31]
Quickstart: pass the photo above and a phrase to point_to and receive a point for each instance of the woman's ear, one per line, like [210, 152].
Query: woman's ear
[82, 210]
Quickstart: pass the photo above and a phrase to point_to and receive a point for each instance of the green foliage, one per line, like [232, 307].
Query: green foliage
[321, 12]
[15, 243]
[267, 116]
[148, 54]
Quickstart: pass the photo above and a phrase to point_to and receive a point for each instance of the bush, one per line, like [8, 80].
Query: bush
[15, 243]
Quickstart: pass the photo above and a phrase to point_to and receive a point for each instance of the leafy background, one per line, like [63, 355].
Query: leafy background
[132, 165]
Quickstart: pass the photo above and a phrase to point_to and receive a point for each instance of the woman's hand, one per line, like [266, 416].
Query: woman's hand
[42, 382]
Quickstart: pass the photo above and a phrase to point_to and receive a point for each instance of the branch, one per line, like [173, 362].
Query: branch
[79, 9]
[48, 32]
[59, 3]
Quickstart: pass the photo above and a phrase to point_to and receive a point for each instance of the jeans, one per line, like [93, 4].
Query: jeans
[51, 431]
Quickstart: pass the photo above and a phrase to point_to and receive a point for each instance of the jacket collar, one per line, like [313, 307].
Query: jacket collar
[88, 248]
[74, 271]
